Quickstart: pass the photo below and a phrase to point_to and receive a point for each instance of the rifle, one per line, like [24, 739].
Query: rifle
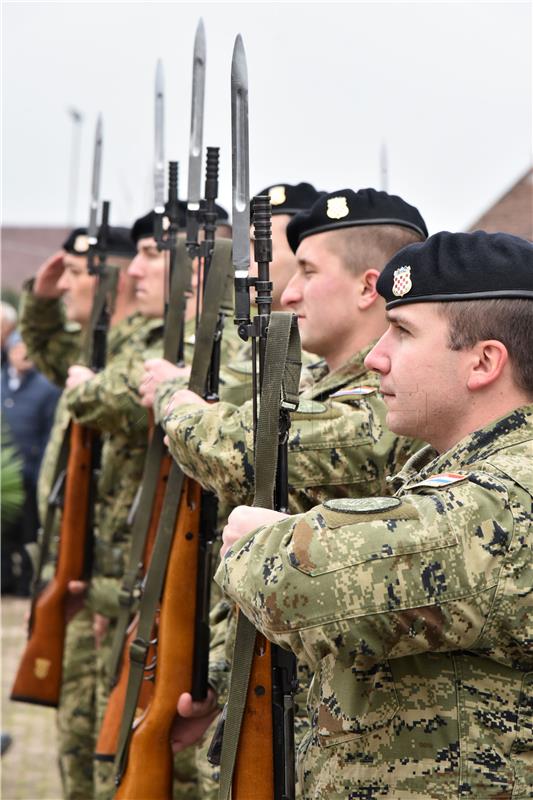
[189, 531]
[38, 679]
[158, 460]
[257, 757]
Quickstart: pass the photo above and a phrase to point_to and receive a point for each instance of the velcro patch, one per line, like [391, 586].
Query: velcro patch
[365, 509]
[442, 480]
[355, 391]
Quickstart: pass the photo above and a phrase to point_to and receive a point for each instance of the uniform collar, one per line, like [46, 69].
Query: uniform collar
[325, 382]
[511, 429]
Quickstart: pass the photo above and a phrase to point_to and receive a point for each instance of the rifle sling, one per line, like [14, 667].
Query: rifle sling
[280, 384]
[180, 280]
[51, 510]
[106, 286]
[220, 272]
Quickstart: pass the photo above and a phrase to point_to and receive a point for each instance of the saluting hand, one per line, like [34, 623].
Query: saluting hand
[244, 520]
[157, 370]
[48, 275]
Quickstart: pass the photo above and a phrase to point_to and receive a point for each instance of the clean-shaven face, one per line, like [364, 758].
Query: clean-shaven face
[323, 294]
[423, 381]
[148, 269]
[78, 289]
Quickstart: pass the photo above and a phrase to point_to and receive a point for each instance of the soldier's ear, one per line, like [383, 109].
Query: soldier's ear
[488, 361]
[368, 292]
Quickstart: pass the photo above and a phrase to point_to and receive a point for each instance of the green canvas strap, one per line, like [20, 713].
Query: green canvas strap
[281, 378]
[156, 449]
[220, 272]
[105, 291]
[53, 503]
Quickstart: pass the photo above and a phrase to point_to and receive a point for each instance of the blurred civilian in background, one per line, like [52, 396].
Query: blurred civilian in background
[8, 323]
[28, 406]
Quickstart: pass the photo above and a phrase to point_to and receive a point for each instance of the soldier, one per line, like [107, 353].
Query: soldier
[56, 310]
[341, 244]
[416, 609]
[339, 444]
[235, 380]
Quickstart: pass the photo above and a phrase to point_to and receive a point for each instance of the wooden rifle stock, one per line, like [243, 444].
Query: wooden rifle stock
[107, 742]
[149, 769]
[255, 753]
[38, 678]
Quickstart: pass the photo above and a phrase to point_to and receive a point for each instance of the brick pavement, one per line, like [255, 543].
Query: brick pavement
[29, 768]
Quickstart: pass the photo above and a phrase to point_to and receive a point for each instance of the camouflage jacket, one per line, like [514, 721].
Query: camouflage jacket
[109, 403]
[416, 613]
[338, 443]
[53, 343]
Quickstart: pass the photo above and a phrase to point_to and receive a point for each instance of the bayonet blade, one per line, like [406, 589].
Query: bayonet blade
[92, 232]
[240, 160]
[197, 119]
[159, 160]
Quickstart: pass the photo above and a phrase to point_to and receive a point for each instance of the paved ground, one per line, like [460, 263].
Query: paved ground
[29, 768]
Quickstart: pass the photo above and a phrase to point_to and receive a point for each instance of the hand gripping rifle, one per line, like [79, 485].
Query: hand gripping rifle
[38, 679]
[257, 757]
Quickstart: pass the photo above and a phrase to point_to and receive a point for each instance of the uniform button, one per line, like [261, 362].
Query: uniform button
[9, 402]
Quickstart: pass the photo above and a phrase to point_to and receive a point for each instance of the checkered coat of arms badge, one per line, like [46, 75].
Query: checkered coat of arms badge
[402, 281]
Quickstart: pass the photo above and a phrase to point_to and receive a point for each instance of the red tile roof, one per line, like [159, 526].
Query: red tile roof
[513, 212]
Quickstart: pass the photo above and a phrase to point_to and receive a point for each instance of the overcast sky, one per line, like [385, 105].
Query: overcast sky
[447, 87]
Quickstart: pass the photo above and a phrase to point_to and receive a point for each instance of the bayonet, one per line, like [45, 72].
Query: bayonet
[197, 122]
[159, 161]
[240, 184]
[92, 233]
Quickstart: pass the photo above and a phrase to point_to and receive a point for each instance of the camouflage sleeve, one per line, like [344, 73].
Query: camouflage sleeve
[386, 578]
[164, 392]
[222, 637]
[52, 344]
[336, 448]
[215, 446]
[109, 401]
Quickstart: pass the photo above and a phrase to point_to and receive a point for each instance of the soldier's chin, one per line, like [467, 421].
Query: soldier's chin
[400, 422]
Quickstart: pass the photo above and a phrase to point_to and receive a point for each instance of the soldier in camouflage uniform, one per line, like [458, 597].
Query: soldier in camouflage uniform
[339, 444]
[109, 403]
[415, 610]
[236, 373]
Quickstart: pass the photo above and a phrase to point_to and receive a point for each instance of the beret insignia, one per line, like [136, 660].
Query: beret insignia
[166, 223]
[362, 505]
[81, 244]
[337, 208]
[278, 195]
[402, 281]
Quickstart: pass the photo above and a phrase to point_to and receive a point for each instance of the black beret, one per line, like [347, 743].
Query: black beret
[347, 209]
[459, 266]
[288, 199]
[143, 228]
[118, 242]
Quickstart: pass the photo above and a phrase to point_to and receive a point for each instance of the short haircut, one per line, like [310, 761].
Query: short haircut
[508, 321]
[370, 246]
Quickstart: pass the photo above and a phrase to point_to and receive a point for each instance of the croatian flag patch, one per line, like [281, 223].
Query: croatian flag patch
[443, 479]
[356, 391]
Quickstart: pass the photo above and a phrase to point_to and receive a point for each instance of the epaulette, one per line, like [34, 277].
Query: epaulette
[355, 392]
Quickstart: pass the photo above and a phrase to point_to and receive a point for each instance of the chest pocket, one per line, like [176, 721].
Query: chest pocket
[352, 703]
